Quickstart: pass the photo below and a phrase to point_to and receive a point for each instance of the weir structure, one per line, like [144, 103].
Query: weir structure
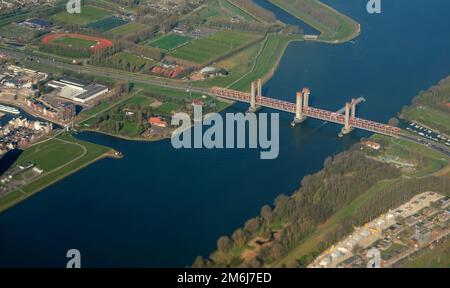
[302, 110]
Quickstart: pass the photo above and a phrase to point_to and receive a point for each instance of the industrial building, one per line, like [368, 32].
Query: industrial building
[77, 90]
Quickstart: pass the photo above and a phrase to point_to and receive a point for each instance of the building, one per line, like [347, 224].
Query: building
[157, 121]
[77, 90]
[35, 23]
[422, 236]
[373, 145]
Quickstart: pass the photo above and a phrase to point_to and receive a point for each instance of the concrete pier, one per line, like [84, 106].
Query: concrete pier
[299, 116]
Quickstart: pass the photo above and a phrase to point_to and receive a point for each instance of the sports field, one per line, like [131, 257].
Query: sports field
[170, 41]
[88, 15]
[107, 24]
[77, 41]
[127, 28]
[214, 46]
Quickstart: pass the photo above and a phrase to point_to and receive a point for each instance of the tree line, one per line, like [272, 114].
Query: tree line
[321, 195]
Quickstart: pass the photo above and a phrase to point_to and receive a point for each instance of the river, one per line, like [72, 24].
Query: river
[161, 207]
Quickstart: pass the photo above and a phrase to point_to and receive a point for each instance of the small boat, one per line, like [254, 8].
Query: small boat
[10, 110]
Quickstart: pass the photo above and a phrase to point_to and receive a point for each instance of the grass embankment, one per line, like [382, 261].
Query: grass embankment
[58, 157]
[334, 26]
[431, 162]
[257, 61]
[267, 61]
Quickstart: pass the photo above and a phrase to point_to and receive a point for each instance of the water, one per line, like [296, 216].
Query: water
[162, 207]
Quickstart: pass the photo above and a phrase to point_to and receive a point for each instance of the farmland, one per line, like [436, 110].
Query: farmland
[170, 42]
[88, 15]
[208, 49]
[107, 24]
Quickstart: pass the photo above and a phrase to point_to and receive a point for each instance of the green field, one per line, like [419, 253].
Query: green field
[430, 117]
[170, 41]
[220, 8]
[348, 28]
[17, 32]
[74, 42]
[88, 15]
[267, 61]
[139, 99]
[207, 49]
[432, 161]
[127, 29]
[107, 24]
[58, 157]
[133, 60]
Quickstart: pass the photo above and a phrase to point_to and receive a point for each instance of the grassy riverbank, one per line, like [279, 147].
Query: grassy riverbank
[58, 157]
[334, 26]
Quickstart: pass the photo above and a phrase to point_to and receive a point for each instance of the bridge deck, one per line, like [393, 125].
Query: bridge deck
[316, 113]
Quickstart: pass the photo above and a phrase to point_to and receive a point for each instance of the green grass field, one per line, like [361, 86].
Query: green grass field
[133, 60]
[430, 117]
[88, 15]
[433, 160]
[140, 99]
[107, 24]
[58, 157]
[267, 62]
[170, 41]
[167, 108]
[75, 42]
[216, 8]
[17, 32]
[207, 49]
[127, 28]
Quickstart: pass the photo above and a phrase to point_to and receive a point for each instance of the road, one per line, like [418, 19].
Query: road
[106, 72]
[430, 144]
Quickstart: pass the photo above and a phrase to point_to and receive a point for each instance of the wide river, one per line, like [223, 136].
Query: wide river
[162, 207]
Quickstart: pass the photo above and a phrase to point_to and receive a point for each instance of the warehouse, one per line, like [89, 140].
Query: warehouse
[77, 90]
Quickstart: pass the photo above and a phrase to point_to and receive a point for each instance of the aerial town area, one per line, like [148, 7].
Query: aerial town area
[371, 185]
[419, 224]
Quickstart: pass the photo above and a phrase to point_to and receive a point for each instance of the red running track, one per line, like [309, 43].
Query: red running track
[101, 42]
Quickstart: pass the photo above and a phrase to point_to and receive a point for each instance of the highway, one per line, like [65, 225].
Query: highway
[105, 72]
